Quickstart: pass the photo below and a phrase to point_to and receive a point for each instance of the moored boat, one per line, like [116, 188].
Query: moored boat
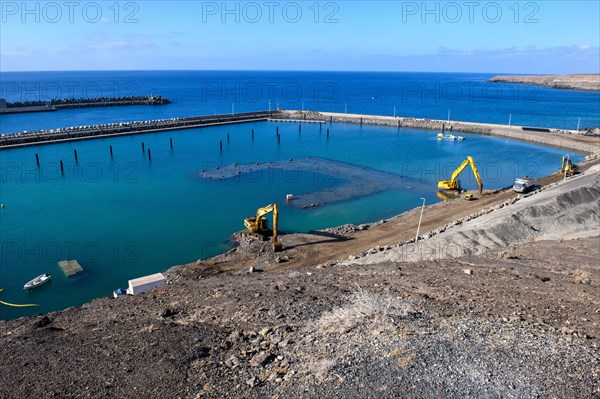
[36, 282]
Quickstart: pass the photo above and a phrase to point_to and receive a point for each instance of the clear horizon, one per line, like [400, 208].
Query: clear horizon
[552, 38]
[294, 70]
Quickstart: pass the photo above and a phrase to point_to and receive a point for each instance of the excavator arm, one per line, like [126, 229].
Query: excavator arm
[476, 173]
[460, 169]
[452, 184]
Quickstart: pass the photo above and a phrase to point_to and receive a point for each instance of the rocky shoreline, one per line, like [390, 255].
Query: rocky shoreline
[585, 82]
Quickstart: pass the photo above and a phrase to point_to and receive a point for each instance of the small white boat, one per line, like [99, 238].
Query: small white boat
[36, 282]
[449, 137]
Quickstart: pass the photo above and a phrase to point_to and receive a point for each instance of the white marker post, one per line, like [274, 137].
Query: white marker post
[420, 218]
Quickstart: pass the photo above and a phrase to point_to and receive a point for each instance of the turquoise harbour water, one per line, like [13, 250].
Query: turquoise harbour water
[128, 216]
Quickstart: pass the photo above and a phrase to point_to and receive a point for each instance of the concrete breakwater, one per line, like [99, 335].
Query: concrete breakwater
[69, 103]
[567, 139]
[125, 128]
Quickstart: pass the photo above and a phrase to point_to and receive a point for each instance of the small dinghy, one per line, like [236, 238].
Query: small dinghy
[36, 282]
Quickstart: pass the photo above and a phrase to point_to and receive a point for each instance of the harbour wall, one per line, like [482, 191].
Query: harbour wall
[560, 138]
[126, 128]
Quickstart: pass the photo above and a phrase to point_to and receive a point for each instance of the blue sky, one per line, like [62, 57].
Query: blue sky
[470, 36]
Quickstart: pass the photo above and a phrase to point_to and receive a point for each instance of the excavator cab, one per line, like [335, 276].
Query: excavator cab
[453, 183]
[258, 225]
[261, 227]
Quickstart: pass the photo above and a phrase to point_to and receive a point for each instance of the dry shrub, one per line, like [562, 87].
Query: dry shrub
[364, 307]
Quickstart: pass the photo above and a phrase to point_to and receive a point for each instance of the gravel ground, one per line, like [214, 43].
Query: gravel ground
[521, 323]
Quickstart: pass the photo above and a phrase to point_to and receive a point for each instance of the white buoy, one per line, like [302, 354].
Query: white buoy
[289, 197]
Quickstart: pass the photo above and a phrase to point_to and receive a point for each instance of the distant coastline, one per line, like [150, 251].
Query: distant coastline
[584, 82]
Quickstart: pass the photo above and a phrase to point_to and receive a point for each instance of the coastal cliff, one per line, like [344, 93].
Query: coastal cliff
[587, 82]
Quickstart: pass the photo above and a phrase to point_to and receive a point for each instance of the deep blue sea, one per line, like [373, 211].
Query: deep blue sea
[468, 97]
[128, 216]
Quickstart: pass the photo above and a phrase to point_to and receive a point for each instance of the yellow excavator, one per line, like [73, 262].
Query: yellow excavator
[260, 225]
[453, 184]
[568, 167]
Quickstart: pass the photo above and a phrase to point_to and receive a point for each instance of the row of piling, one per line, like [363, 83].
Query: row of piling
[62, 167]
[37, 158]
[276, 135]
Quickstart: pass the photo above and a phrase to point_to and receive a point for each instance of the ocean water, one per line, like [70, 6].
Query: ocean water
[128, 216]
[468, 97]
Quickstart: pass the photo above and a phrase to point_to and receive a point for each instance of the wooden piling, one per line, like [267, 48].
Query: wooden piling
[149, 155]
[361, 121]
[320, 126]
[221, 145]
[278, 138]
[327, 133]
[171, 142]
[252, 134]
[75, 153]
[143, 147]
[62, 167]
[227, 138]
[277, 129]
[299, 129]
[37, 160]
[111, 151]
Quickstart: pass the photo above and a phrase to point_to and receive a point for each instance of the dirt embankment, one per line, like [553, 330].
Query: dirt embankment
[587, 82]
[560, 212]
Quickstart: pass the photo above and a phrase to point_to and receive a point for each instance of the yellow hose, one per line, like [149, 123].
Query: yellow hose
[26, 305]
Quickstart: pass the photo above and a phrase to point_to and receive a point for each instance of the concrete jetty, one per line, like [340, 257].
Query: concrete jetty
[126, 128]
[560, 138]
[574, 140]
